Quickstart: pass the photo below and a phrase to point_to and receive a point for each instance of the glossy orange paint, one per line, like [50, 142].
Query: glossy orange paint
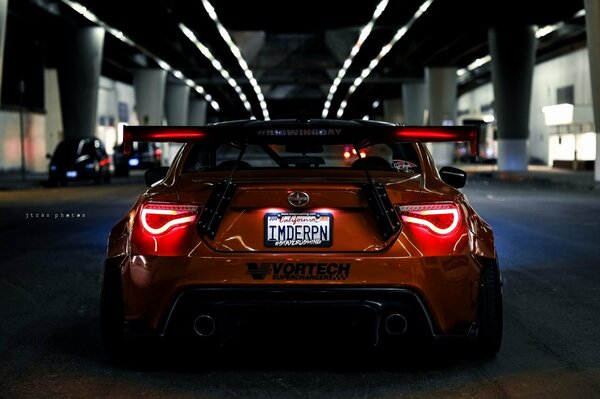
[443, 269]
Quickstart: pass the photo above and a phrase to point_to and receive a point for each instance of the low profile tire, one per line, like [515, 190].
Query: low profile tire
[111, 315]
[489, 337]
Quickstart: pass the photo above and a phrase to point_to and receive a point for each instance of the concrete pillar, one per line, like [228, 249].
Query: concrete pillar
[54, 125]
[177, 104]
[178, 100]
[392, 110]
[414, 102]
[79, 78]
[592, 16]
[3, 14]
[197, 112]
[149, 85]
[441, 96]
[513, 57]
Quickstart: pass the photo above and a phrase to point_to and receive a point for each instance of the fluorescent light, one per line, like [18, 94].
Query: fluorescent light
[122, 37]
[362, 37]
[237, 54]
[382, 53]
[205, 51]
[479, 62]
[560, 114]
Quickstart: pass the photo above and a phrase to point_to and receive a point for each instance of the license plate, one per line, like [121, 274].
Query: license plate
[290, 229]
[134, 162]
[72, 174]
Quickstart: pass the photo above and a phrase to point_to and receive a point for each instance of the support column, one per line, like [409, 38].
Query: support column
[54, 125]
[178, 99]
[392, 110]
[177, 104]
[592, 23]
[441, 95]
[197, 112]
[413, 100]
[79, 79]
[513, 57]
[149, 86]
[3, 14]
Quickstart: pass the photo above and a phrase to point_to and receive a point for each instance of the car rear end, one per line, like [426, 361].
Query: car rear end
[383, 255]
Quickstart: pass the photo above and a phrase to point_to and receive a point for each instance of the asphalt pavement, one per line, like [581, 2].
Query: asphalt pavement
[53, 243]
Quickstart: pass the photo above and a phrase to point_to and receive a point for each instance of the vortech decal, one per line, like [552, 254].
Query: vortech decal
[299, 132]
[299, 271]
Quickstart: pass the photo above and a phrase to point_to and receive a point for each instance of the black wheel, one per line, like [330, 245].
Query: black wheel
[107, 176]
[112, 315]
[490, 319]
[98, 178]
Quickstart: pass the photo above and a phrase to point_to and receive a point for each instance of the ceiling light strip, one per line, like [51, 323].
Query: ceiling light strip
[463, 73]
[217, 65]
[382, 53]
[238, 55]
[90, 16]
[362, 37]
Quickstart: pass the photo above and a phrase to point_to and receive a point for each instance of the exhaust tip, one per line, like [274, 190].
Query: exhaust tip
[395, 324]
[204, 325]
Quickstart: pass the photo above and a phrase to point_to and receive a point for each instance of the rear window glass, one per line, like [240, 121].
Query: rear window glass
[399, 157]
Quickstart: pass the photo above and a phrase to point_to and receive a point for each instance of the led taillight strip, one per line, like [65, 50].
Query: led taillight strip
[188, 215]
[410, 214]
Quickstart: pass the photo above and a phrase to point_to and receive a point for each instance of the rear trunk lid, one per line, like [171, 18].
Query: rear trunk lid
[299, 211]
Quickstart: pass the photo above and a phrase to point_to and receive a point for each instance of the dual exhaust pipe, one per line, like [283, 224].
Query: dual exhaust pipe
[394, 324]
[204, 325]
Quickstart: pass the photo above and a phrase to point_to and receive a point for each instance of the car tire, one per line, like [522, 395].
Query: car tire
[112, 319]
[107, 177]
[490, 317]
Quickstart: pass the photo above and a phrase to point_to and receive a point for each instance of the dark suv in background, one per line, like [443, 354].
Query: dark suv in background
[79, 159]
[143, 156]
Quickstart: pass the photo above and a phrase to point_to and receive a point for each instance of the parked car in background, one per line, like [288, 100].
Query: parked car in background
[143, 156]
[79, 159]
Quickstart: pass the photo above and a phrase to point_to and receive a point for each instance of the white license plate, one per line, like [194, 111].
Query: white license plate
[134, 162]
[72, 174]
[307, 229]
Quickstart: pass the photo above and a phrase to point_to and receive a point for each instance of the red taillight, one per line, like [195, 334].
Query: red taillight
[439, 218]
[157, 153]
[159, 218]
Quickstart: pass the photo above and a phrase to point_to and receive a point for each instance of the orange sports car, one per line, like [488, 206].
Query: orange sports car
[320, 226]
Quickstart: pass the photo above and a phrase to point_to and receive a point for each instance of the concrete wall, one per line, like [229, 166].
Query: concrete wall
[35, 142]
[44, 131]
[570, 69]
[116, 102]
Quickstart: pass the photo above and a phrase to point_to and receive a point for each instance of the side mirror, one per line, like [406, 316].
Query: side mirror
[455, 177]
[154, 175]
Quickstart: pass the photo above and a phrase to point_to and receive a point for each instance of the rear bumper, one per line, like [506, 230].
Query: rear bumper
[367, 315]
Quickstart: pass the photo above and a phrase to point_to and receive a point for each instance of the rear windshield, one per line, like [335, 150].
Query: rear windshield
[393, 157]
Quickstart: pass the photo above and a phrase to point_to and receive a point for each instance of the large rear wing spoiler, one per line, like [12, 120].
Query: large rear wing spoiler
[325, 131]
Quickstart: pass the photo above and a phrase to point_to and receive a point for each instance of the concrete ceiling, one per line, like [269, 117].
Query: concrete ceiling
[296, 48]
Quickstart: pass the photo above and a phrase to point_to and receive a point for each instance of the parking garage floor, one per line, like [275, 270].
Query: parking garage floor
[53, 246]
